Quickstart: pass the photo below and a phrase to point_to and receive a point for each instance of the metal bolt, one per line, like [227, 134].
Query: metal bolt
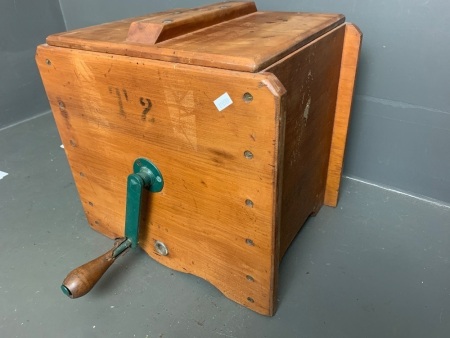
[248, 154]
[249, 242]
[250, 299]
[250, 278]
[247, 97]
[161, 248]
[249, 203]
[48, 62]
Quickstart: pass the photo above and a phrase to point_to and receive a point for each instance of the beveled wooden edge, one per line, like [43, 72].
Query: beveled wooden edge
[153, 30]
[275, 86]
[253, 64]
[349, 64]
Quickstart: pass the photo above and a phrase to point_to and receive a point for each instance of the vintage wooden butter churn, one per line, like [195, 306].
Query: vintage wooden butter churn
[206, 136]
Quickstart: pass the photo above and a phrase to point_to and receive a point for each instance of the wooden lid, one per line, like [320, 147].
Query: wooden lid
[229, 35]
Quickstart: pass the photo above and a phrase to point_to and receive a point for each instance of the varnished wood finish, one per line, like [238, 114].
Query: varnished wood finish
[82, 279]
[248, 43]
[239, 183]
[310, 77]
[156, 29]
[352, 45]
[111, 110]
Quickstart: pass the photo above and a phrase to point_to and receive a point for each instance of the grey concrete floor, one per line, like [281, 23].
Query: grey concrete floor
[376, 266]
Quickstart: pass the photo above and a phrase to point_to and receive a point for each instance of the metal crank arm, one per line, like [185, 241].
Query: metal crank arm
[82, 279]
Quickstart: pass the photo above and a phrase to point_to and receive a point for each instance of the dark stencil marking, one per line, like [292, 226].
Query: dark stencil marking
[119, 97]
[147, 104]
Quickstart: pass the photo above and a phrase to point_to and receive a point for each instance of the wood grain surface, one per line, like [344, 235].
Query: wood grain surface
[247, 43]
[350, 55]
[111, 110]
[156, 29]
[239, 181]
[310, 76]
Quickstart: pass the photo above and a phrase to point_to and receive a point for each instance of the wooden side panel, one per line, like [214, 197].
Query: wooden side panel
[310, 77]
[111, 110]
[350, 54]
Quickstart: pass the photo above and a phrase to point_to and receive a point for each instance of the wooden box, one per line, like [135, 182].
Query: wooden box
[244, 112]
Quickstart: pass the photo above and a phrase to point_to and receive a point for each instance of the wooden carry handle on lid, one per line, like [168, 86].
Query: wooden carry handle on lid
[157, 29]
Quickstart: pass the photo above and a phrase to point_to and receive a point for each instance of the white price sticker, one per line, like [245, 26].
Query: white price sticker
[223, 101]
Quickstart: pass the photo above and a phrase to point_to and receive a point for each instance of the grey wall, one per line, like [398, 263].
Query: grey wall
[400, 128]
[23, 25]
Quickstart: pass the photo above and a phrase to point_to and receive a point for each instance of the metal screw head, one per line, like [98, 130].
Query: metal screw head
[158, 179]
[250, 278]
[249, 242]
[250, 299]
[161, 248]
[48, 62]
[248, 154]
[247, 97]
[249, 203]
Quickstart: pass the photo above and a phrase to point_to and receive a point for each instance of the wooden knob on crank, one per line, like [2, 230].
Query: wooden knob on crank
[82, 279]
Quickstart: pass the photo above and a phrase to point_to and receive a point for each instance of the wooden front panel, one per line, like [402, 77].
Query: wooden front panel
[113, 109]
[310, 76]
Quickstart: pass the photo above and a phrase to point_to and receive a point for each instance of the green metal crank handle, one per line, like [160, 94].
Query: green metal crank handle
[82, 279]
